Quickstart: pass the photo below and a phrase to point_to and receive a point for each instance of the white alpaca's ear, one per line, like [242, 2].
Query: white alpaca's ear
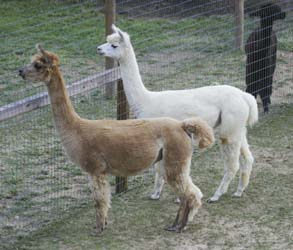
[115, 28]
[121, 35]
[119, 31]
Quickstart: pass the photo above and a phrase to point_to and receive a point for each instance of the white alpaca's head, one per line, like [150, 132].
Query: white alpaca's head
[117, 44]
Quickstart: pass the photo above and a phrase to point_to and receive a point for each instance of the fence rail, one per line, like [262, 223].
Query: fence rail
[42, 99]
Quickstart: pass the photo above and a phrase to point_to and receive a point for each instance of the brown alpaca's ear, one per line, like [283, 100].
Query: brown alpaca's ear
[45, 55]
[39, 48]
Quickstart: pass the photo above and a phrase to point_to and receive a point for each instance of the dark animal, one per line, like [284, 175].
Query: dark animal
[261, 50]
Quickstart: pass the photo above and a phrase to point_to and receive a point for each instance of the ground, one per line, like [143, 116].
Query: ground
[261, 219]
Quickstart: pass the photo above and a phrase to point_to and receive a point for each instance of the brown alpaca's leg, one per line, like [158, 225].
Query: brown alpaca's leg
[190, 196]
[175, 223]
[181, 218]
[188, 208]
[102, 196]
[190, 203]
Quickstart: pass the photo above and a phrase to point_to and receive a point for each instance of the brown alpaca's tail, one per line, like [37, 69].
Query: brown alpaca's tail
[202, 131]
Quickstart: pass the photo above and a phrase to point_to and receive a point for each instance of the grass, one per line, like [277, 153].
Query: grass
[39, 186]
[73, 29]
[259, 220]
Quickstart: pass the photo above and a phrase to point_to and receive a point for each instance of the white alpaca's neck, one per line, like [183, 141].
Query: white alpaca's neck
[136, 93]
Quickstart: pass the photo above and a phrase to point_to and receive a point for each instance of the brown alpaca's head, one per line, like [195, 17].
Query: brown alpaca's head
[41, 66]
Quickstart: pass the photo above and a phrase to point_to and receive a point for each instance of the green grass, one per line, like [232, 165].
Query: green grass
[70, 28]
[73, 29]
[261, 219]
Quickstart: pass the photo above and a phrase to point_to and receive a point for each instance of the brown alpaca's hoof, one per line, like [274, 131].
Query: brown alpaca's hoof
[100, 227]
[175, 229]
[99, 230]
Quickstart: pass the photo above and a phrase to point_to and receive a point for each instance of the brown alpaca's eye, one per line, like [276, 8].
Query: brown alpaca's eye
[37, 66]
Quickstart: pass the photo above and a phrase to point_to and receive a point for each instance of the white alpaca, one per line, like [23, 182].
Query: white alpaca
[225, 107]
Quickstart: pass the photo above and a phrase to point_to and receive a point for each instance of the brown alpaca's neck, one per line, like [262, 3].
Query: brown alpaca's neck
[63, 111]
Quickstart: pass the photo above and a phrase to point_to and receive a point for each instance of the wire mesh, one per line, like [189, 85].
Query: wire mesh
[179, 45]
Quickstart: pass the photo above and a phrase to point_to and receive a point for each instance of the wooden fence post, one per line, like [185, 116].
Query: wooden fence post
[122, 106]
[239, 22]
[110, 14]
[122, 114]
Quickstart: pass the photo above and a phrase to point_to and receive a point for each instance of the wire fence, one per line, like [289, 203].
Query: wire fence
[179, 45]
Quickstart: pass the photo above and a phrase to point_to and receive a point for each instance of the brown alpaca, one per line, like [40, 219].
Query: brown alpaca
[122, 148]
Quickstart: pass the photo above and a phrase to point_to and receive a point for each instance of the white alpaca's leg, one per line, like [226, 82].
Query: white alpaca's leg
[159, 181]
[101, 193]
[245, 167]
[231, 153]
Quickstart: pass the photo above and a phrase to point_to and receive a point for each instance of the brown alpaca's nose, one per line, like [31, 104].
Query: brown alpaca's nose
[20, 72]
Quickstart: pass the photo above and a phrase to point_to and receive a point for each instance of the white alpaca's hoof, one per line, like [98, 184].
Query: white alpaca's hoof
[177, 200]
[237, 194]
[212, 199]
[155, 196]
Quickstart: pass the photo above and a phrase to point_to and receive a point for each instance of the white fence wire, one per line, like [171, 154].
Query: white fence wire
[179, 45]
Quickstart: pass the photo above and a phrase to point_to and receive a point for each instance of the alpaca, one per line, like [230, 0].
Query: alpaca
[224, 106]
[261, 51]
[122, 148]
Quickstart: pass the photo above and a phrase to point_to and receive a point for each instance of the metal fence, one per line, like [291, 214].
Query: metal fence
[179, 45]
